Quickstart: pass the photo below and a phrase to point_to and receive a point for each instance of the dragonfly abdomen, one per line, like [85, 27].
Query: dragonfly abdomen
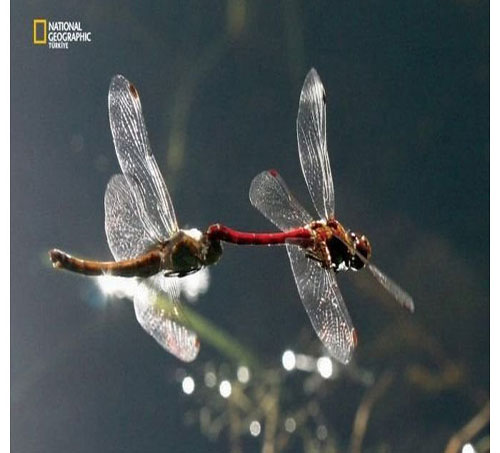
[143, 266]
[300, 236]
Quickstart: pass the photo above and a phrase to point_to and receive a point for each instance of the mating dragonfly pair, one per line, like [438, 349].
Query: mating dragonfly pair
[146, 242]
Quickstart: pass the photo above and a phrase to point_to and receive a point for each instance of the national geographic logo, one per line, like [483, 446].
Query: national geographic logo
[39, 31]
[59, 34]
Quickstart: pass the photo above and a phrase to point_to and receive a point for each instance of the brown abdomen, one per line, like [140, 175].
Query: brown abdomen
[143, 266]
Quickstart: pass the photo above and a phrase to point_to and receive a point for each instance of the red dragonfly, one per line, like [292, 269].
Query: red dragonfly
[142, 230]
[317, 249]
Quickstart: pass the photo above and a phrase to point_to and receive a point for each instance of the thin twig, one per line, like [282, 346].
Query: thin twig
[234, 428]
[271, 418]
[476, 424]
[363, 413]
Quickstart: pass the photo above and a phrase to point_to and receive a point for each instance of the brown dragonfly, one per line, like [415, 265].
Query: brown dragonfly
[142, 231]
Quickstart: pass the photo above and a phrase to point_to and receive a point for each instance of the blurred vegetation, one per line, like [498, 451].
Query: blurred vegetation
[276, 398]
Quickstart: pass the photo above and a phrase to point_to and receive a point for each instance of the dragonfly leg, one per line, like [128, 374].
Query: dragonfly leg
[320, 254]
[324, 253]
[180, 274]
[313, 256]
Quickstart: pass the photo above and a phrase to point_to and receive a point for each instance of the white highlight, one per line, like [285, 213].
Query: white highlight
[288, 360]
[325, 367]
[193, 285]
[243, 374]
[254, 428]
[290, 424]
[194, 233]
[225, 389]
[468, 448]
[188, 385]
[120, 287]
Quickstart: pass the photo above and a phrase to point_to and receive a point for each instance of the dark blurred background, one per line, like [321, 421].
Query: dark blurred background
[408, 135]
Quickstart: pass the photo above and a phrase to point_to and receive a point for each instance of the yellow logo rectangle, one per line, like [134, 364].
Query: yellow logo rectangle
[37, 23]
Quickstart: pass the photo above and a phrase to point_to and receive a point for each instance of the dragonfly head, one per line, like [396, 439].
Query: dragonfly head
[362, 246]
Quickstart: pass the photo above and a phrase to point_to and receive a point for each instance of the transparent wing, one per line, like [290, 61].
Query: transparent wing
[311, 138]
[324, 304]
[270, 195]
[401, 296]
[157, 308]
[136, 159]
[125, 220]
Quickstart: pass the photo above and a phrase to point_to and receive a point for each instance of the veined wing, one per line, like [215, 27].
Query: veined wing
[311, 138]
[157, 308]
[136, 159]
[270, 195]
[401, 296]
[324, 304]
[126, 222]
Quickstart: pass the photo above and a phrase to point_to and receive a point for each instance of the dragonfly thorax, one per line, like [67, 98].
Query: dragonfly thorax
[337, 248]
[187, 251]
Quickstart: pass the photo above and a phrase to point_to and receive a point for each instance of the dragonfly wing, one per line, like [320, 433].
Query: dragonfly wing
[136, 159]
[324, 304]
[270, 195]
[125, 221]
[311, 138]
[401, 296]
[157, 308]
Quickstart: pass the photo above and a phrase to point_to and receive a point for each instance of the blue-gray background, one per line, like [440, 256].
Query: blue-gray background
[408, 134]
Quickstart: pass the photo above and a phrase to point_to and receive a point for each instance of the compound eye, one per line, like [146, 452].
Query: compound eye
[363, 246]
